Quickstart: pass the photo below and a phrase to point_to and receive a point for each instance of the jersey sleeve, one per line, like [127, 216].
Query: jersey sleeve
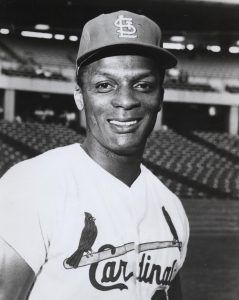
[21, 225]
[185, 231]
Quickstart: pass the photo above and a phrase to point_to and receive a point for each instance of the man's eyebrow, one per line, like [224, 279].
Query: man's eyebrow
[139, 73]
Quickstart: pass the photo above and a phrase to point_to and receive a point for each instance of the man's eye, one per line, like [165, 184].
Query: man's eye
[104, 87]
[144, 86]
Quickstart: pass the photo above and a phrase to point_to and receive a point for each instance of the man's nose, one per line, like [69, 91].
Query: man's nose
[126, 99]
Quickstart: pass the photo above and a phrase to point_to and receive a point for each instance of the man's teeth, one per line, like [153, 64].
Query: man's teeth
[119, 123]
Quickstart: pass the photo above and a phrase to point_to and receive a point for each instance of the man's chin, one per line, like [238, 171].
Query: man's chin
[128, 149]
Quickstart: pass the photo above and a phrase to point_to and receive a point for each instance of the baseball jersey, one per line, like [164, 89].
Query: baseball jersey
[130, 241]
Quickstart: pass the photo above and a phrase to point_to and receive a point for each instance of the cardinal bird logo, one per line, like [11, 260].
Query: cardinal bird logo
[87, 239]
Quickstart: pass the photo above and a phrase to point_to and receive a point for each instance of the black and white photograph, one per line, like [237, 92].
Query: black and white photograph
[119, 150]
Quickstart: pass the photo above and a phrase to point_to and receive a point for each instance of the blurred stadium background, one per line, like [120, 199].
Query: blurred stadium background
[194, 147]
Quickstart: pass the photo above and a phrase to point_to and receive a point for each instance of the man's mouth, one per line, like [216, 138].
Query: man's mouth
[123, 123]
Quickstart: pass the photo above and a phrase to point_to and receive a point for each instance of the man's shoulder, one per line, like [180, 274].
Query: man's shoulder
[59, 154]
[52, 158]
[49, 164]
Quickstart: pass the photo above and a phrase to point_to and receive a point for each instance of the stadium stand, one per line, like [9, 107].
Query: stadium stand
[193, 164]
[6, 54]
[232, 89]
[189, 168]
[223, 141]
[34, 59]
[189, 86]
[9, 156]
[33, 73]
[49, 53]
[36, 138]
[209, 65]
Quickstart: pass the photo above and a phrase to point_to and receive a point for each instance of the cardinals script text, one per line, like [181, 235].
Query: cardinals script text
[114, 272]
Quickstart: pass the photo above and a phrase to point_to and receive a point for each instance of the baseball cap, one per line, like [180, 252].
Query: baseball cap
[122, 31]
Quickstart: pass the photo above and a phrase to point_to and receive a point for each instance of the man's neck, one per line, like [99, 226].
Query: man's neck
[124, 167]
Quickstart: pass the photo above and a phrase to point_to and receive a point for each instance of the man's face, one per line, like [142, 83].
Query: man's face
[122, 96]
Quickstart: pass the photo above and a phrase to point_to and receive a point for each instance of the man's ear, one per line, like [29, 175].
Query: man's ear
[161, 99]
[78, 98]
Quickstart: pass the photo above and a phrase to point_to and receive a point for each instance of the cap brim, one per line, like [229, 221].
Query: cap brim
[166, 59]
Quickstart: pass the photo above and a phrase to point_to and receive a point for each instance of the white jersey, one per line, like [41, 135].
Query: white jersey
[130, 241]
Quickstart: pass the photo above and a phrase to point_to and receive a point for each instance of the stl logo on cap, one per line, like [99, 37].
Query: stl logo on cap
[126, 27]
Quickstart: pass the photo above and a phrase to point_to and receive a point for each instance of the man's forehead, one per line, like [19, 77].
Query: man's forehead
[139, 72]
[124, 64]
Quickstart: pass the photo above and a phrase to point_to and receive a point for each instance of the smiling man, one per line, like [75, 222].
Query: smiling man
[90, 221]
[122, 96]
